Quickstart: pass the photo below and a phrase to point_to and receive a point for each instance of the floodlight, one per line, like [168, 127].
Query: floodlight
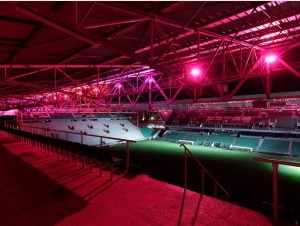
[270, 58]
[195, 72]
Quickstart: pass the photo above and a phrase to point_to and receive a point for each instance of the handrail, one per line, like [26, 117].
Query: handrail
[92, 135]
[276, 161]
[204, 170]
[275, 165]
[85, 134]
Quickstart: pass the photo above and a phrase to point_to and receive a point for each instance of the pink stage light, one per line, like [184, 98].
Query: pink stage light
[119, 85]
[195, 72]
[270, 58]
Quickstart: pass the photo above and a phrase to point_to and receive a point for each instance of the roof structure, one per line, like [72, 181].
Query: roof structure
[140, 54]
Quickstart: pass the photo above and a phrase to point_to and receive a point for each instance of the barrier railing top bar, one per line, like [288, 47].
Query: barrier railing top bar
[276, 161]
[85, 134]
[208, 173]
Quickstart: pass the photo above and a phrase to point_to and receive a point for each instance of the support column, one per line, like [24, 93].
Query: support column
[127, 156]
[275, 190]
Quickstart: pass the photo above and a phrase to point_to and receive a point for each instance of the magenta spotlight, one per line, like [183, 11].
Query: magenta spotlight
[119, 85]
[270, 58]
[195, 72]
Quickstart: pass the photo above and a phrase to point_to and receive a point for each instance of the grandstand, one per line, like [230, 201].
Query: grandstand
[221, 140]
[200, 87]
[295, 149]
[243, 142]
[287, 123]
[147, 132]
[83, 124]
[275, 146]
[201, 138]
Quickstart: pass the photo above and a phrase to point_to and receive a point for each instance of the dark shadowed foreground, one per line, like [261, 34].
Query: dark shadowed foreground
[38, 189]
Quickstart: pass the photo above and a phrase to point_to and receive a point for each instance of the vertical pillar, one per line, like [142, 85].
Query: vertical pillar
[185, 169]
[127, 156]
[275, 190]
[203, 181]
[151, 57]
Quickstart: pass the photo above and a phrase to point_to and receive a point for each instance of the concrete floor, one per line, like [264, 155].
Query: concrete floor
[40, 190]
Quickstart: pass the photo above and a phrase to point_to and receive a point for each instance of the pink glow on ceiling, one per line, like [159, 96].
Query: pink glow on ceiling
[195, 72]
[270, 58]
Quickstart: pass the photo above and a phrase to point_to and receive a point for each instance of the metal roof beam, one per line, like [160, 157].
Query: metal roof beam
[92, 26]
[49, 18]
[178, 25]
[48, 66]
[19, 21]
[290, 68]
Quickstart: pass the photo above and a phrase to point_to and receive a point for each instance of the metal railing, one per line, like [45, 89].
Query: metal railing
[275, 165]
[203, 171]
[82, 135]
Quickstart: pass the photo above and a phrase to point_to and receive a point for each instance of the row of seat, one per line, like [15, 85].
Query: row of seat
[70, 151]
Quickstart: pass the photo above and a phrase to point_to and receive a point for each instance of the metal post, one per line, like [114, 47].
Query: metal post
[127, 156]
[185, 169]
[137, 119]
[203, 185]
[275, 190]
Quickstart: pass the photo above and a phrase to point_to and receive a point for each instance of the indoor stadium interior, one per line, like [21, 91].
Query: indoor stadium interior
[149, 113]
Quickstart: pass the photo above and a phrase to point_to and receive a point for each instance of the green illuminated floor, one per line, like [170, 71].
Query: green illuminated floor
[248, 182]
